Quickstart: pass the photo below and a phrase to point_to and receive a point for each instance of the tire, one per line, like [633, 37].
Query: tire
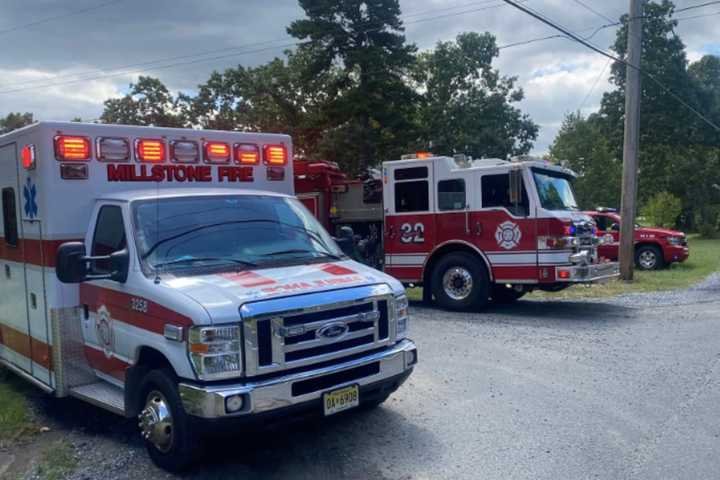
[649, 257]
[460, 282]
[503, 294]
[171, 447]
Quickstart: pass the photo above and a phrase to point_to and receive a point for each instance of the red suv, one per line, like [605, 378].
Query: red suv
[654, 247]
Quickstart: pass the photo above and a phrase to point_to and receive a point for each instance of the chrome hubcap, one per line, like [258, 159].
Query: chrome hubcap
[457, 283]
[156, 422]
[647, 259]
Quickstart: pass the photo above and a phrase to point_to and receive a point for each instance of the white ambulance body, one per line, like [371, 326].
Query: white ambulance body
[195, 286]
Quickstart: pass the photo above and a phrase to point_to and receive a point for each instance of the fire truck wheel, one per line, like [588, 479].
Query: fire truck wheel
[503, 294]
[648, 257]
[460, 282]
[164, 425]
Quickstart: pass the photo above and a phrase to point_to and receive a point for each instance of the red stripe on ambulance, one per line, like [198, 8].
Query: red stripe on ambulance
[248, 279]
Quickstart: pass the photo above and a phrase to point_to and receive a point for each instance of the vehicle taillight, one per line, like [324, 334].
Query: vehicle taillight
[112, 149]
[72, 148]
[247, 154]
[275, 155]
[147, 150]
[73, 171]
[217, 152]
[28, 157]
[184, 151]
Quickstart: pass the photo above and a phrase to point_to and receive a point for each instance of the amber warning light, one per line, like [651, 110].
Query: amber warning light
[150, 150]
[247, 154]
[72, 148]
[275, 155]
[217, 152]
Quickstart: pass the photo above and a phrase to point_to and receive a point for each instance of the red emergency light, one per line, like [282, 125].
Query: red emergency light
[72, 148]
[28, 157]
[275, 155]
[217, 152]
[149, 150]
[247, 154]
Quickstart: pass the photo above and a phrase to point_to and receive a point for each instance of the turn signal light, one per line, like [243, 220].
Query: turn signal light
[28, 157]
[247, 154]
[564, 274]
[217, 152]
[147, 150]
[275, 155]
[72, 148]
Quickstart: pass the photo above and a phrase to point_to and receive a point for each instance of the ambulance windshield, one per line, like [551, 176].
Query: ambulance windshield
[233, 231]
[554, 190]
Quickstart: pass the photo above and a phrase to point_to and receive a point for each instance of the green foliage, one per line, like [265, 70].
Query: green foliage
[13, 121]
[467, 105]
[662, 210]
[57, 461]
[15, 419]
[149, 102]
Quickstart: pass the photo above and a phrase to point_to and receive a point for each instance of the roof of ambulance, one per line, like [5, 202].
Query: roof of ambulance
[151, 194]
[156, 130]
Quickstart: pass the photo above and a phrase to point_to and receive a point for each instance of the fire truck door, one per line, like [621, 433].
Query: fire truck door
[14, 323]
[409, 229]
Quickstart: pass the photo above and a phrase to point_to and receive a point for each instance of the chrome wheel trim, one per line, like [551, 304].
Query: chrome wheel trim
[647, 259]
[156, 422]
[457, 283]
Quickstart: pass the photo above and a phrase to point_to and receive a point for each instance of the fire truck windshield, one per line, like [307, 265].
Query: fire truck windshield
[554, 190]
[233, 231]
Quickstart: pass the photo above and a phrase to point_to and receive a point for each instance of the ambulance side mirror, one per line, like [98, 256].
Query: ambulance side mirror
[70, 263]
[120, 265]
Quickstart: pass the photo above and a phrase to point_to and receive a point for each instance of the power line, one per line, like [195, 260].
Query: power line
[592, 88]
[539, 16]
[57, 17]
[592, 10]
[693, 7]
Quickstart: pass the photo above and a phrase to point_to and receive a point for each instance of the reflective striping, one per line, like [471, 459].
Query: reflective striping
[410, 259]
[112, 366]
[513, 259]
[32, 251]
[153, 318]
[22, 344]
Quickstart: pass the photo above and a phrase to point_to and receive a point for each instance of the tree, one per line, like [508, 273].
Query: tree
[467, 104]
[662, 209]
[149, 102]
[13, 121]
[374, 114]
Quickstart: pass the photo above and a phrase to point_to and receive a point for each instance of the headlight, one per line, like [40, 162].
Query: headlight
[401, 314]
[675, 240]
[215, 351]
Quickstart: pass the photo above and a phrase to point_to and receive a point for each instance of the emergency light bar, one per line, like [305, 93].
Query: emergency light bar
[28, 157]
[217, 152]
[247, 154]
[72, 148]
[149, 150]
[184, 151]
[112, 149]
[275, 155]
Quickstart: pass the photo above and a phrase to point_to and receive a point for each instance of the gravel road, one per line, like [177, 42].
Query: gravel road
[621, 388]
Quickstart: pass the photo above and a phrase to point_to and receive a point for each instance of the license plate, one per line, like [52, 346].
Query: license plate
[341, 399]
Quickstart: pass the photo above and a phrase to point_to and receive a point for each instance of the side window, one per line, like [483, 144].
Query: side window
[109, 236]
[451, 194]
[9, 212]
[602, 222]
[496, 193]
[412, 196]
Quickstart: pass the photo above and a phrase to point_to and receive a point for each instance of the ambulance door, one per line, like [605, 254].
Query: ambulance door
[14, 328]
[409, 229]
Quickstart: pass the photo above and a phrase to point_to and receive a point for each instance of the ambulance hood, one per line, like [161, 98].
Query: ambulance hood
[222, 294]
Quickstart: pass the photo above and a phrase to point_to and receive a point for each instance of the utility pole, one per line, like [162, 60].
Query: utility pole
[628, 207]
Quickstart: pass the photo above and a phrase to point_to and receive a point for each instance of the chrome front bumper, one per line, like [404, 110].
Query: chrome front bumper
[599, 272]
[208, 401]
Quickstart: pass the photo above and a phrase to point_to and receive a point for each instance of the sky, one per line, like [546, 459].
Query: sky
[62, 59]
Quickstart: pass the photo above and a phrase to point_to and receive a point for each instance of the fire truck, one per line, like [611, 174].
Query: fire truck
[171, 275]
[468, 231]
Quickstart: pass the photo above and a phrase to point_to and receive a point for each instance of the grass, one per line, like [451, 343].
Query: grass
[57, 461]
[704, 260]
[15, 418]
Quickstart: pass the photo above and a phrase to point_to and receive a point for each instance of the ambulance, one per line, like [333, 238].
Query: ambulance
[171, 275]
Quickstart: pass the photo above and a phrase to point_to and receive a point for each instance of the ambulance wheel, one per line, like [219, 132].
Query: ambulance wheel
[503, 294]
[164, 425]
[460, 282]
[649, 257]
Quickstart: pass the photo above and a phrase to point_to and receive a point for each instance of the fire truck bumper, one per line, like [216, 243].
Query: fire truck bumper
[596, 273]
[375, 375]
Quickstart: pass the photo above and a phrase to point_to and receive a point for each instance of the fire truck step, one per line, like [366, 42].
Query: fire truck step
[103, 395]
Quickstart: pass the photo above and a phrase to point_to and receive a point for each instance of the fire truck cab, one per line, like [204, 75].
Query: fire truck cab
[171, 275]
[468, 231]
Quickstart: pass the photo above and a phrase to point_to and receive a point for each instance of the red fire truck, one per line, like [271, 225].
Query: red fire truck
[469, 231]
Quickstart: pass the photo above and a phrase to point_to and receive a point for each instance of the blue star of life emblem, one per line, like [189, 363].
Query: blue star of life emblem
[30, 195]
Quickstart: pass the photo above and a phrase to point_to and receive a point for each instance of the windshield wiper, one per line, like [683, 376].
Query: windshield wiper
[182, 260]
[300, 250]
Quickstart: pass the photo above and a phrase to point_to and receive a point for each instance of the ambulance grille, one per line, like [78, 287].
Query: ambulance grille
[327, 333]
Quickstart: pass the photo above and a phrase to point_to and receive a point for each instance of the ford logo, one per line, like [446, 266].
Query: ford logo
[333, 330]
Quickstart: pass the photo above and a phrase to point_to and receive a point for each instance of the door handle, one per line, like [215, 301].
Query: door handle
[8, 273]
[478, 228]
